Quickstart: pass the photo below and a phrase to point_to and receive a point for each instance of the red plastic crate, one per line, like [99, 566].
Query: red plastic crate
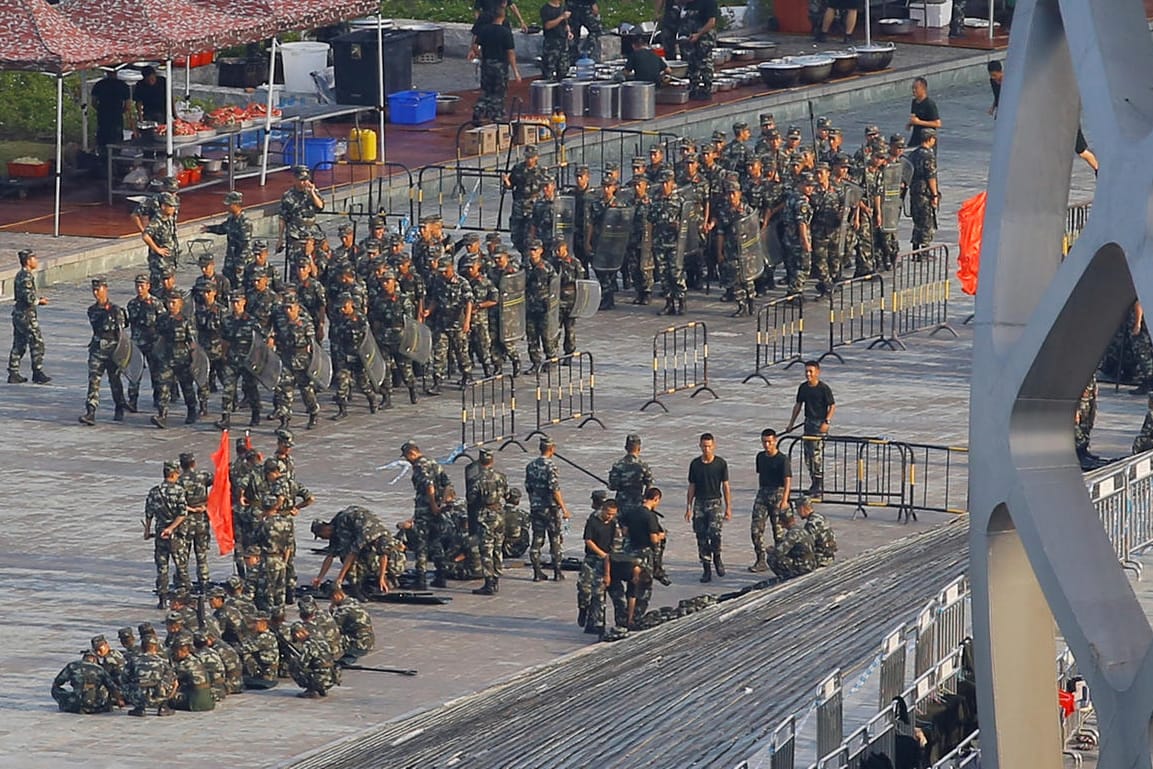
[28, 170]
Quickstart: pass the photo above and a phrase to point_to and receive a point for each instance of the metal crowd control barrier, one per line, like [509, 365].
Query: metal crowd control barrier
[863, 472]
[942, 625]
[857, 314]
[488, 413]
[879, 736]
[830, 714]
[1075, 219]
[680, 362]
[390, 187]
[565, 392]
[938, 478]
[594, 146]
[1123, 495]
[894, 653]
[462, 196]
[1073, 722]
[967, 755]
[780, 335]
[920, 297]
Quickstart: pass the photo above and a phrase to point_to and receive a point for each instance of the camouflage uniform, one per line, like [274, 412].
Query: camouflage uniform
[84, 687]
[232, 622]
[700, 55]
[733, 271]
[298, 212]
[827, 204]
[26, 336]
[321, 625]
[233, 669]
[175, 336]
[639, 255]
[541, 481]
[428, 526]
[665, 216]
[260, 655]
[542, 222]
[824, 542]
[630, 477]
[452, 298]
[798, 262]
[538, 294]
[608, 280]
[500, 349]
[490, 490]
[583, 16]
[871, 236]
[166, 504]
[239, 333]
[294, 342]
[209, 322]
[143, 315]
[493, 88]
[525, 185]
[314, 667]
[215, 669]
[554, 54]
[517, 529]
[195, 691]
[479, 336]
[921, 196]
[793, 555]
[347, 334]
[591, 592]
[766, 513]
[570, 271]
[355, 627]
[151, 681]
[106, 321]
[386, 316]
[238, 251]
[196, 527]
[162, 230]
[1086, 415]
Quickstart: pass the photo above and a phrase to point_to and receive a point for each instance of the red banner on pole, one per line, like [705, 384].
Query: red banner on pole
[220, 498]
[971, 224]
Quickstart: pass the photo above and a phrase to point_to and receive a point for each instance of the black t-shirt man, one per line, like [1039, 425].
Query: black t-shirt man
[550, 12]
[773, 469]
[494, 40]
[706, 9]
[152, 98]
[708, 477]
[640, 523]
[110, 96]
[645, 65]
[925, 109]
[600, 532]
[816, 399]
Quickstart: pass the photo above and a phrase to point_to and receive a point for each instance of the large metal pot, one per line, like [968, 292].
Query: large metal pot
[762, 49]
[896, 26]
[732, 42]
[815, 68]
[678, 68]
[428, 45]
[844, 62]
[780, 73]
[604, 100]
[574, 97]
[871, 58]
[545, 96]
[638, 101]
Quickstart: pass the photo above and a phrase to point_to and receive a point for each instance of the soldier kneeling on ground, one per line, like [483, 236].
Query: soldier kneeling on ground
[312, 665]
[824, 541]
[85, 687]
[793, 555]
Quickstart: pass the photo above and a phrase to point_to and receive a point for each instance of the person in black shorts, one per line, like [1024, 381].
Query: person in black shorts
[775, 481]
[817, 399]
[709, 505]
[850, 8]
[923, 113]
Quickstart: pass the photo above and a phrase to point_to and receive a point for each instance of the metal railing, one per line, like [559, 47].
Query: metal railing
[857, 314]
[1076, 218]
[780, 335]
[680, 362]
[920, 296]
[488, 413]
[565, 392]
[863, 472]
[594, 146]
[462, 196]
[938, 478]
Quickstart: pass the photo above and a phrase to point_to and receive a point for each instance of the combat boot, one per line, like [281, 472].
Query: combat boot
[486, 590]
[225, 421]
[707, 576]
[284, 420]
[89, 417]
[421, 581]
[118, 415]
[645, 298]
[538, 574]
[255, 421]
[193, 415]
[582, 616]
[750, 308]
[136, 712]
[14, 377]
[341, 412]
[439, 580]
[670, 307]
[435, 389]
[39, 377]
[412, 394]
[133, 401]
[760, 565]
[495, 585]
[313, 416]
[718, 564]
[164, 710]
[386, 400]
[160, 419]
[557, 573]
[203, 407]
[680, 307]
[741, 311]
[373, 404]
[162, 601]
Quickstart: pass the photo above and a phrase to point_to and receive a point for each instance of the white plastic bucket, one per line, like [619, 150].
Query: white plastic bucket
[300, 61]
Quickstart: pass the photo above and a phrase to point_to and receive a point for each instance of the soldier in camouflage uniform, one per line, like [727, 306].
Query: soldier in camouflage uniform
[429, 483]
[554, 56]
[493, 45]
[196, 526]
[387, 313]
[793, 555]
[888, 249]
[151, 681]
[586, 15]
[238, 332]
[570, 271]
[538, 288]
[194, 692]
[501, 351]
[698, 49]
[83, 686]
[485, 298]
[237, 230]
[321, 625]
[924, 195]
[259, 654]
[160, 237]
[798, 241]
[312, 295]
[524, 182]
[630, 477]
[209, 277]
[709, 505]
[313, 664]
[172, 353]
[828, 205]
[143, 311]
[294, 342]
[691, 176]
[348, 332]
[106, 320]
[602, 537]
[300, 203]
[824, 541]
[167, 505]
[665, 217]
[596, 222]
[872, 238]
[209, 318]
[732, 270]
[213, 663]
[355, 626]
[450, 315]
[775, 480]
[544, 214]
[1083, 420]
[149, 206]
[487, 496]
[638, 255]
[229, 617]
[113, 662]
[737, 152]
[26, 335]
[542, 483]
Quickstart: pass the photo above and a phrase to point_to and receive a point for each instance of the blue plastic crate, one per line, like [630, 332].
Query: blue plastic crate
[316, 151]
[412, 107]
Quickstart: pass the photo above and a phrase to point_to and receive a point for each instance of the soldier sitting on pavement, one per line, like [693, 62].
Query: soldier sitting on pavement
[312, 664]
[824, 541]
[85, 687]
[355, 627]
[793, 555]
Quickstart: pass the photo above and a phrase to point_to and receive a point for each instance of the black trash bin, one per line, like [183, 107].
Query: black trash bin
[354, 61]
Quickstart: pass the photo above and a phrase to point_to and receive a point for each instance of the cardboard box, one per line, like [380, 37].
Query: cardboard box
[503, 137]
[531, 130]
[478, 141]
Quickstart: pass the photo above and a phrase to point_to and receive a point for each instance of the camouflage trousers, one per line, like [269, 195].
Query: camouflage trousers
[863, 257]
[285, 392]
[446, 343]
[708, 519]
[319, 679]
[591, 580]
[146, 696]
[671, 272]
[269, 583]
[502, 352]
[518, 222]
[733, 279]
[175, 550]
[826, 258]
[583, 16]
[785, 566]
[554, 60]
[490, 537]
[346, 374]
[99, 364]
[198, 530]
[400, 367]
[924, 219]
[640, 589]
[700, 59]
[766, 514]
[429, 534]
[640, 269]
[845, 255]
[158, 264]
[480, 346]
[537, 337]
[238, 377]
[94, 700]
[798, 265]
[814, 451]
[546, 522]
[26, 337]
[1144, 439]
[887, 251]
[1086, 415]
[493, 87]
[608, 281]
[170, 376]
[1142, 355]
[566, 336]
[154, 376]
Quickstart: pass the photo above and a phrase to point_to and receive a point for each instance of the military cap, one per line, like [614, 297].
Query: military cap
[237, 296]
[170, 184]
[171, 467]
[691, 157]
[471, 237]
[872, 130]
[599, 496]
[373, 245]
[899, 139]
[841, 159]
[408, 446]
[640, 161]
[427, 219]
[444, 263]
[187, 457]
[344, 298]
[271, 465]
[216, 592]
[583, 169]
[546, 442]
[143, 278]
[149, 641]
[612, 166]
[145, 628]
[535, 243]
[302, 260]
[298, 627]
[514, 495]
[125, 632]
[609, 181]
[547, 180]
[285, 436]
[316, 526]
[259, 245]
[98, 283]
[740, 125]
[708, 148]
[638, 179]
[394, 239]
[794, 132]
[485, 454]
[530, 151]
[269, 502]
[301, 172]
[306, 602]
[824, 122]
[379, 222]
[718, 136]
[468, 260]
[492, 237]
[632, 439]
[259, 616]
[183, 639]
[234, 582]
[97, 640]
[806, 177]
[773, 134]
[834, 131]
[822, 166]
[25, 253]
[928, 133]
[200, 638]
[501, 252]
[753, 159]
[388, 274]
[174, 616]
[804, 501]
[277, 613]
[878, 147]
[666, 175]
[182, 597]
[235, 196]
[167, 199]
[205, 259]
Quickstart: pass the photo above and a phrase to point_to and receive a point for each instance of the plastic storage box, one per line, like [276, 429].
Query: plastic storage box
[316, 151]
[412, 107]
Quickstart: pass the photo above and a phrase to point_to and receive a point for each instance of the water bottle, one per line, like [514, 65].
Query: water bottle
[559, 121]
[586, 68]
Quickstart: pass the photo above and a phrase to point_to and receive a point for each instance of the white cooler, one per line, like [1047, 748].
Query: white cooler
[938, 13]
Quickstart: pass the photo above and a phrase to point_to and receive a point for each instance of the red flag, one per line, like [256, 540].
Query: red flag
[970, 223]
[220, 498]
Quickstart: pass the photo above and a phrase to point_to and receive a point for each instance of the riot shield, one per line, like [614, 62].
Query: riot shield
[616, 231]
[907, 169]
[511, 307]
[416, 342]
[588, 299]
[201, 368]
[893, 175]
[128, 358]
[552, 311]
[263, 363]
[646, 249]
[689, 236]
[375, 366]
[320, 367]
[564, 220]
[771, 240]
[853, 196]
[751, 249]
